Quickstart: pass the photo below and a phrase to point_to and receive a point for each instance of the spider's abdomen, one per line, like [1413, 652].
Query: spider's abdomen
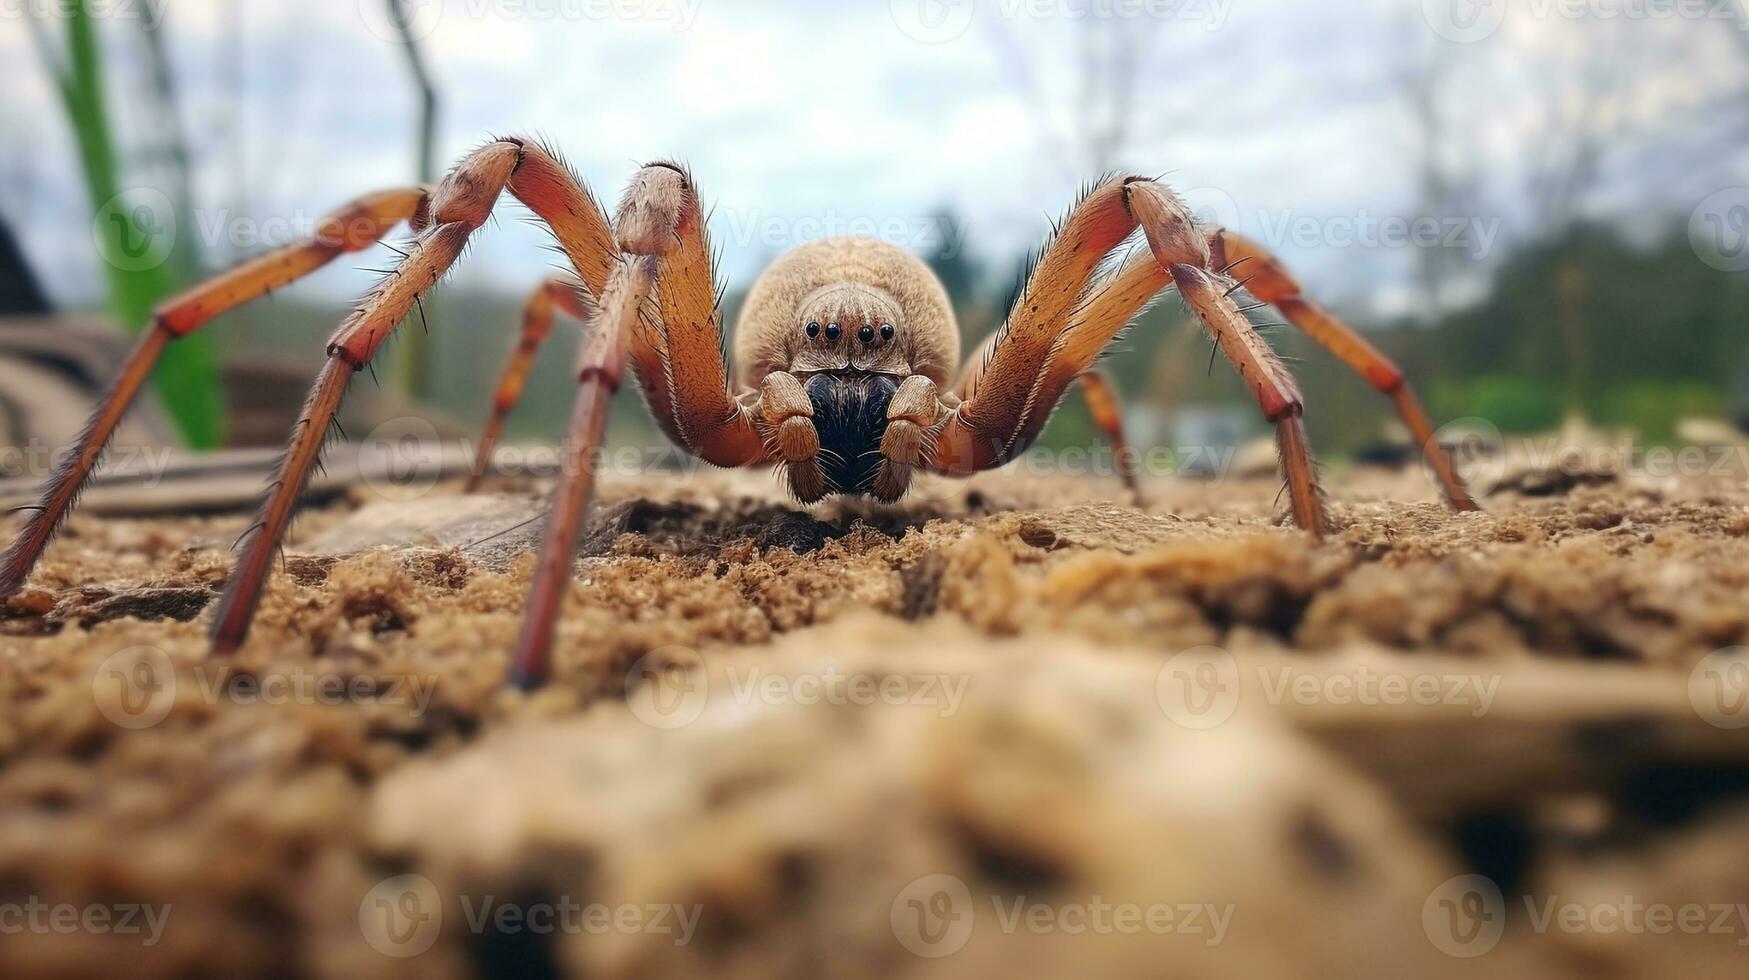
[850, 414]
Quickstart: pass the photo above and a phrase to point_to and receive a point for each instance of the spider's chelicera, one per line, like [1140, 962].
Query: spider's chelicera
[847, 362]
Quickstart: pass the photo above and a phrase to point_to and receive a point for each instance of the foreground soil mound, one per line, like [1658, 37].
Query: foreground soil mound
[1012, 726]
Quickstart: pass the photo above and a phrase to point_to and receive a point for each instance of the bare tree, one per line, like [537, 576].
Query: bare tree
[1090, 131]
[1442, 147]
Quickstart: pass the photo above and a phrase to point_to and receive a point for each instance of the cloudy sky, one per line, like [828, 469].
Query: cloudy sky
[1294, 121]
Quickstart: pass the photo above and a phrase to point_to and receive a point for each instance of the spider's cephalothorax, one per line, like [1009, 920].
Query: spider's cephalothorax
[846, 351]
[850, 321]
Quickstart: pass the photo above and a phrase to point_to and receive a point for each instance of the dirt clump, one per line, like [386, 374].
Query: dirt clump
[940, 738]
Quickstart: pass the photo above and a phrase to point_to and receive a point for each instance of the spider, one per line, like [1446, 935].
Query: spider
[846, 349]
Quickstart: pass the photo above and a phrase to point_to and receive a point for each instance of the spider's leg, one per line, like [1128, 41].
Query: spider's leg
[1181, 248]
[1100, 394]
[1270, 282]
[657, 314]
[599, 370]
[1270, 383]
[677, 354]
[537, 324]
[459, 206]
[1004, 403]
[1062, 319]
[350, 229]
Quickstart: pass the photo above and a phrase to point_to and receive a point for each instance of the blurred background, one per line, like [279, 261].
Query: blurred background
[1540, 208]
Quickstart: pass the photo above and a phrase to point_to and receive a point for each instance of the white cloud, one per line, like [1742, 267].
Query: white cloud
[796, 109]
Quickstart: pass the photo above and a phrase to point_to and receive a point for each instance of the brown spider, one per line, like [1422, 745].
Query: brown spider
[845, 348]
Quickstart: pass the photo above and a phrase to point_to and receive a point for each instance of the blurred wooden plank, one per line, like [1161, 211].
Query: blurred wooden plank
[170, 481]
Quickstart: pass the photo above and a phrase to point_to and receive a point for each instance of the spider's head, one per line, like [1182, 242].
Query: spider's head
[850, 326]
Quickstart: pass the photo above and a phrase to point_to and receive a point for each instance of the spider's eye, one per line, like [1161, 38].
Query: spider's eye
[866, 333]
[886, 331]
[833, 331]
[813, 330]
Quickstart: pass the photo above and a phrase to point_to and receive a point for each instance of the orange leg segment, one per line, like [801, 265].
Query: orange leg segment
[458, 207]
[677, 355]
[350, 229]
[656, 315]
[537, 325]
[1063, 318]
[1104, 405]
[1270, 282]
[600, 369]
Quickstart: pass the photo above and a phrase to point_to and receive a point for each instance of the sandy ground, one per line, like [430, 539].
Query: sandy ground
[1014, 726]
